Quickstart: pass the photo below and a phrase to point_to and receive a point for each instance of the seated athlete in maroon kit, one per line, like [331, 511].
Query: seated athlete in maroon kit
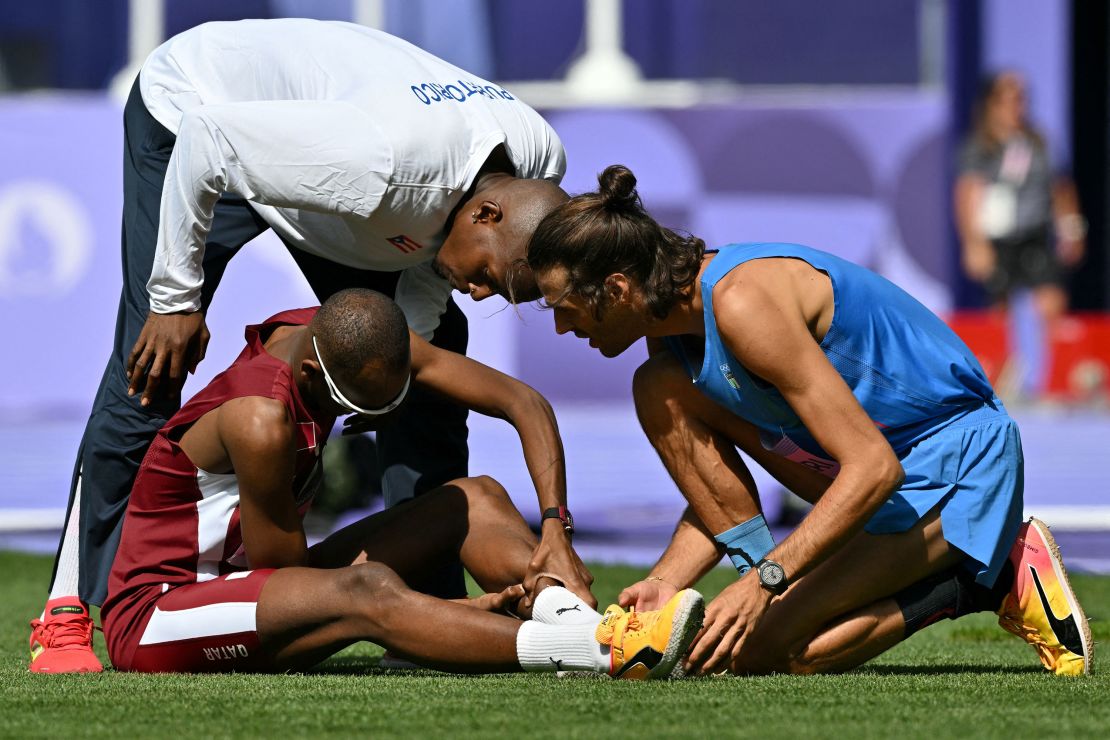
[213, 572]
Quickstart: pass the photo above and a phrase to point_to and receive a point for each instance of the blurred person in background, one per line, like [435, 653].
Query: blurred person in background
[370, 158]
[1019, 223]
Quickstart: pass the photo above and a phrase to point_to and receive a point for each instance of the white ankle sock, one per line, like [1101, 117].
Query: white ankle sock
[554, 647]
[69, 557]
[557, 605]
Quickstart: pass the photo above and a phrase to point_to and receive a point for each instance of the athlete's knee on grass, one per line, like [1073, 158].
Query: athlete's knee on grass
[805, 662]
[783, 643]
[841, 645]
[764, 661]
[764, 653]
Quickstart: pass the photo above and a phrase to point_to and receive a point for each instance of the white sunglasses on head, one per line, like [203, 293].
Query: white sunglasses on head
[339, 398]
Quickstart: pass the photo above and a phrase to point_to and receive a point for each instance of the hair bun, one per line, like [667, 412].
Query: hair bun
[617, 188]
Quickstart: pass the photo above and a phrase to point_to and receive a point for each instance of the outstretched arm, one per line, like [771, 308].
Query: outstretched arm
[487, 391]
[258, 436]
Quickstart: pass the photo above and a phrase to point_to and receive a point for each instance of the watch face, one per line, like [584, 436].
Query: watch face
[772, 574]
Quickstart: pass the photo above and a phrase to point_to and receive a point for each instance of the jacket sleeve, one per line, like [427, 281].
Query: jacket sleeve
[319, 156]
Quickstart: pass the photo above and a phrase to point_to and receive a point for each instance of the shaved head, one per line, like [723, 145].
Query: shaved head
[358, 328]
[483, 254]
[526, 204]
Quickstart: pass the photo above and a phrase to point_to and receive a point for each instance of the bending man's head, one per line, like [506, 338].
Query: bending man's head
[601, 251]
[359, 358]
[484, 253]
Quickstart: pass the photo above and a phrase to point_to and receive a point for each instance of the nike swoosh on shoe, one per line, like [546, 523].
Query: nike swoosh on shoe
[1065, 629]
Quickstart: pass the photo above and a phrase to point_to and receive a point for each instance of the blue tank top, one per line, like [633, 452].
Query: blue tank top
[908, 370]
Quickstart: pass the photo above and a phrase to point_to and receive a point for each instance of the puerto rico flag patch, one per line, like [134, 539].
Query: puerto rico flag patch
[404, 243]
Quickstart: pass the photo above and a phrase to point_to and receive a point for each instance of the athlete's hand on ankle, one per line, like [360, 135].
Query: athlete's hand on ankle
[554, 556]
[729, 620]
[168, 345]
[647, 595]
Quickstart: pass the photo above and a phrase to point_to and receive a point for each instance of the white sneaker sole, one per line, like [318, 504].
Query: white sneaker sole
[687, 620]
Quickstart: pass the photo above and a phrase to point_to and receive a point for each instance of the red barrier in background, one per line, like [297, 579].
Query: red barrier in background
[1079, 352]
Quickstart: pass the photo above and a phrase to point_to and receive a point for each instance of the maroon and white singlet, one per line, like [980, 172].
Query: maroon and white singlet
[180, 597]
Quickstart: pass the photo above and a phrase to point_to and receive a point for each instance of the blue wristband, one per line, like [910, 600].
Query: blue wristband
[748, 543]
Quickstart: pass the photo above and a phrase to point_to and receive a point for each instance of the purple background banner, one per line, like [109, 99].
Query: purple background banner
[60, 275]
[59, 246]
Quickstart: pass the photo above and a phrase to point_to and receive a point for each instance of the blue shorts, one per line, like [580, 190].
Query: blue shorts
[973, 469]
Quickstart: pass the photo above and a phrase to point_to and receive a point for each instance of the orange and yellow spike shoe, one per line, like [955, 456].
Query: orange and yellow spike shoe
[61, 642]
[647, 645]
[1042, 609]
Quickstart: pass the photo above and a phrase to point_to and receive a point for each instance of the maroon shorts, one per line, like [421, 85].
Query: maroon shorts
[196, 628]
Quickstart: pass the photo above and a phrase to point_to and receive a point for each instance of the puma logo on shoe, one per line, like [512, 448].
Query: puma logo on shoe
[559, 612]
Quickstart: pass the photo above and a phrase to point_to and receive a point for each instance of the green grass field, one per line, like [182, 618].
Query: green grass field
[966, 678]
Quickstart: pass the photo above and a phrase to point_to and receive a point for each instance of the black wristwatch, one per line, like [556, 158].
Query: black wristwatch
[561, 513]
[771, 576]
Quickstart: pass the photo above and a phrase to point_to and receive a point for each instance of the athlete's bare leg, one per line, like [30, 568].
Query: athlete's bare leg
[473, 518]
[697, 439]
[307, 614]
[842, 613]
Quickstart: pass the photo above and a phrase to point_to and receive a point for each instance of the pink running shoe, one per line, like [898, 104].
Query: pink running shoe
[61, 642]
[1042, 609]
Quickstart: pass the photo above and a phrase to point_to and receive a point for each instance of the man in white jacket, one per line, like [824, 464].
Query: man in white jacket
[379, 166]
